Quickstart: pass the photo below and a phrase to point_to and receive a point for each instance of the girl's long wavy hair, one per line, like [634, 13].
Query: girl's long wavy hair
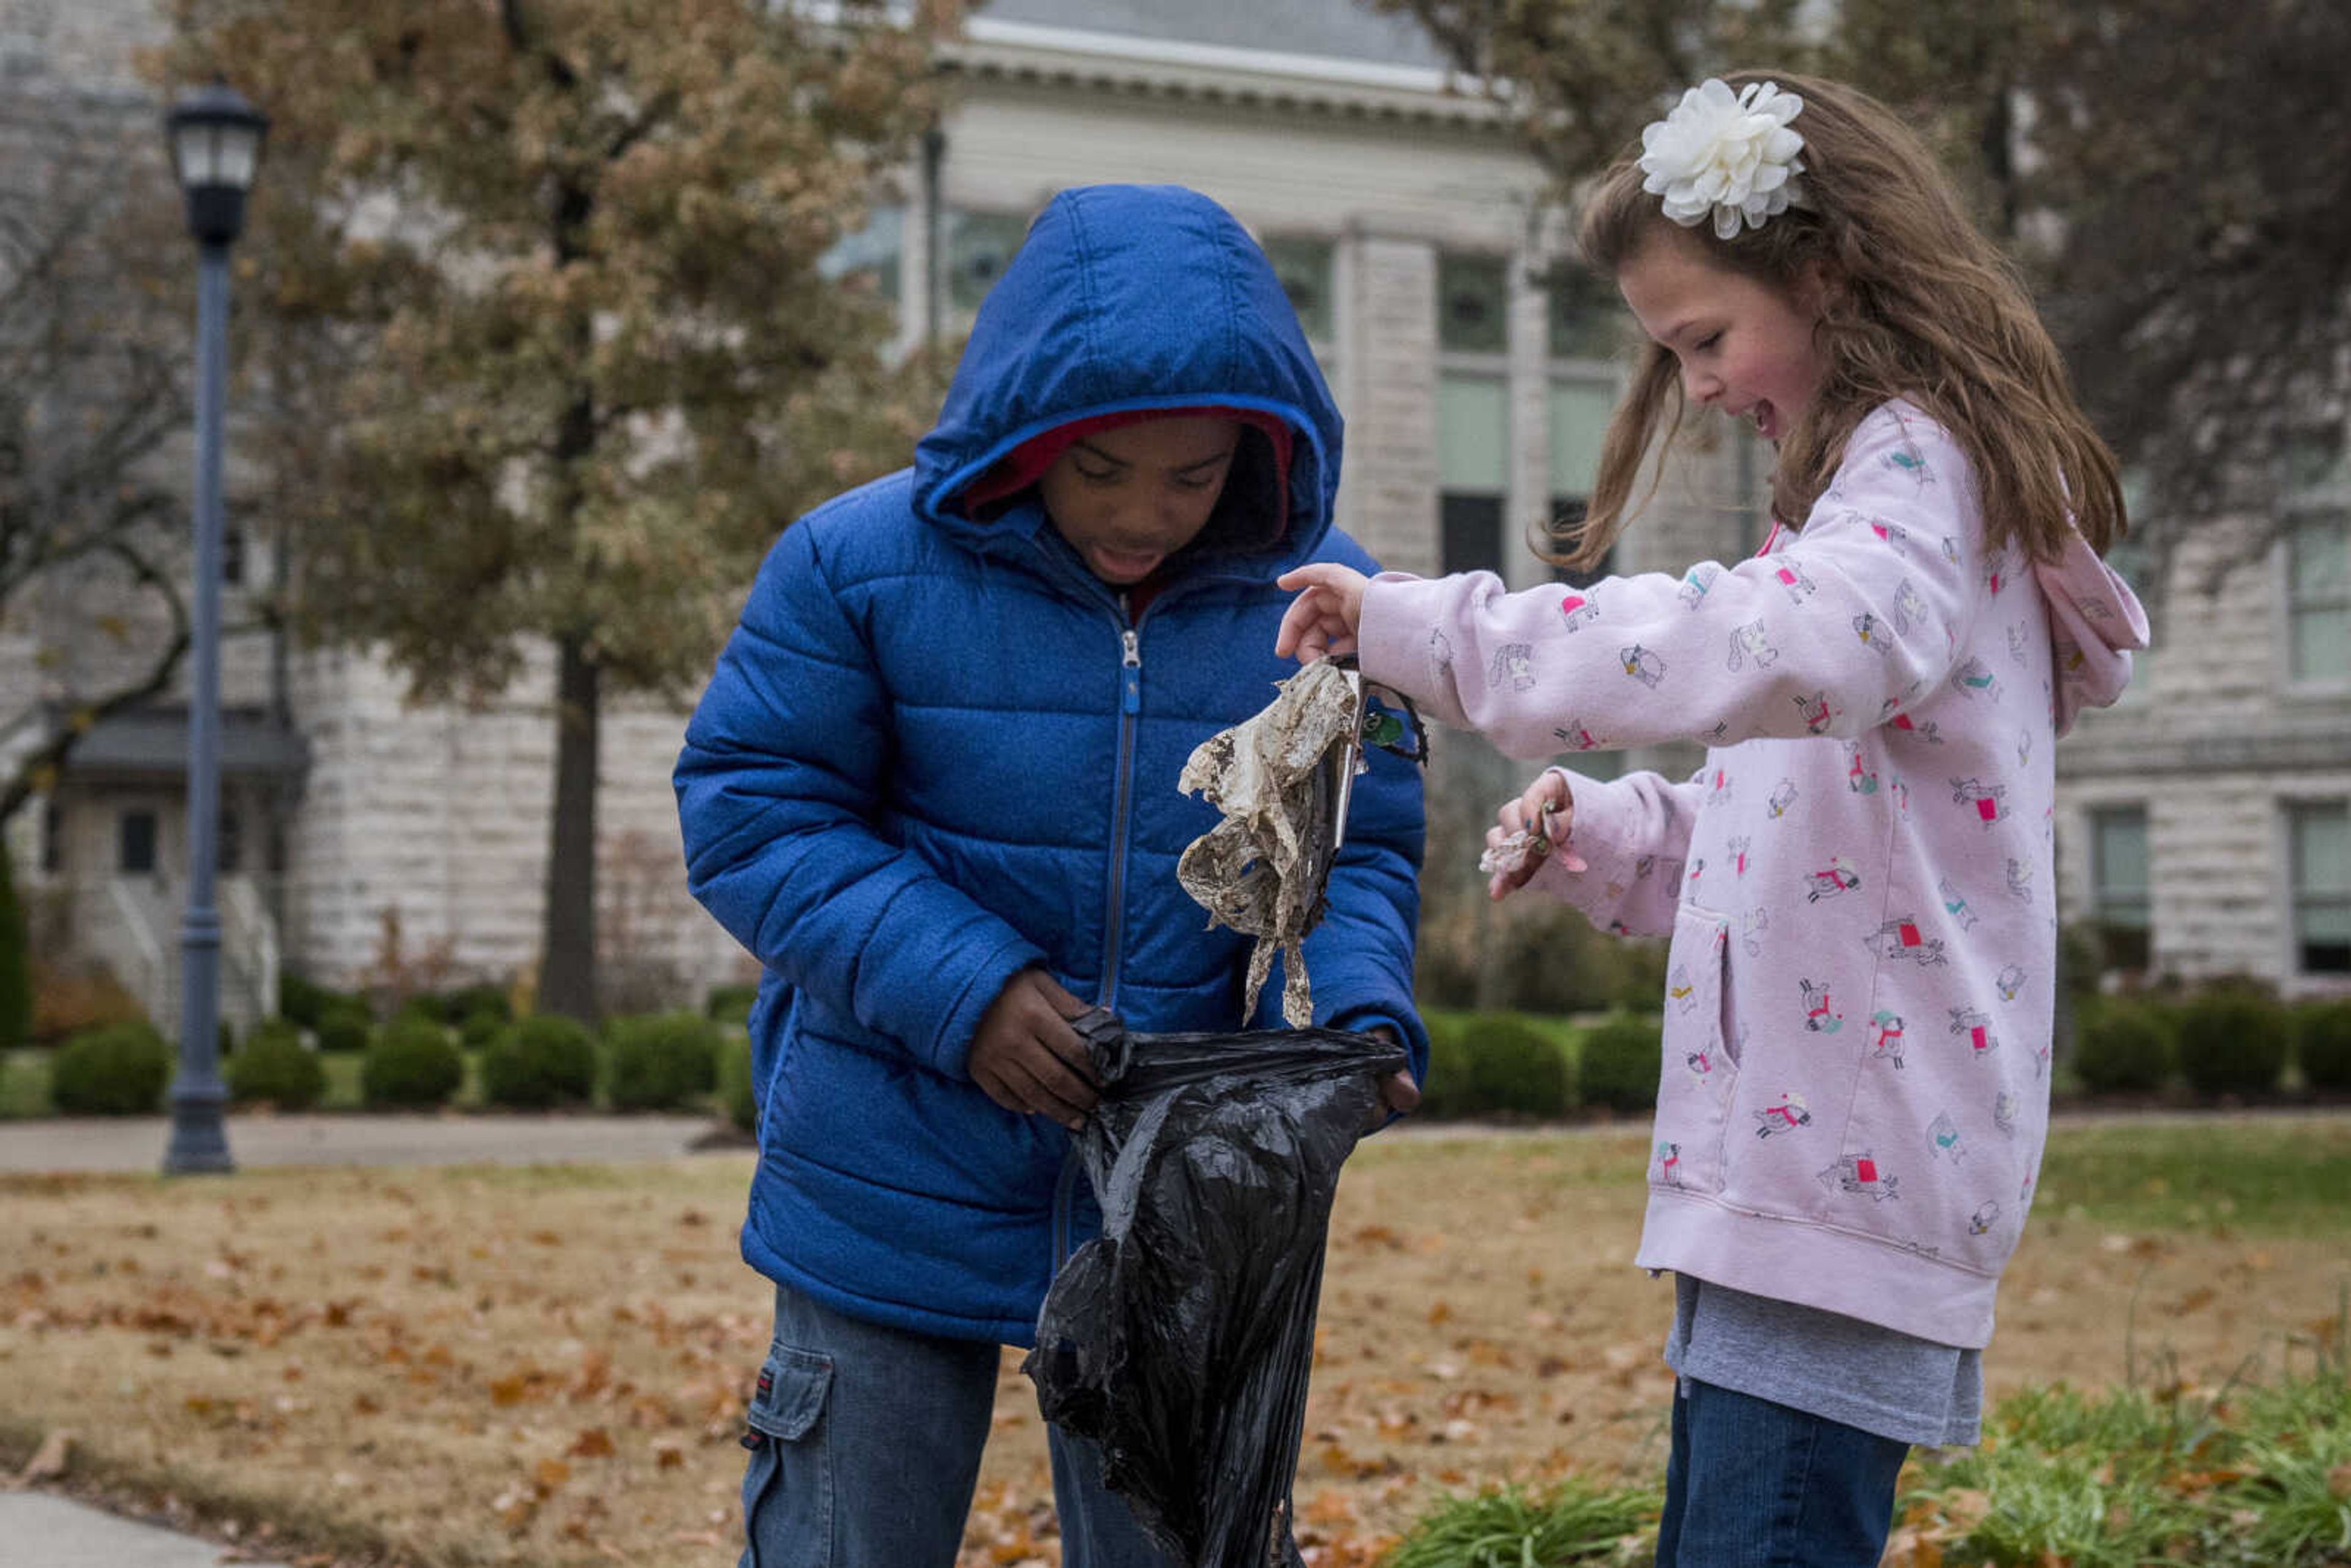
[1919, 305]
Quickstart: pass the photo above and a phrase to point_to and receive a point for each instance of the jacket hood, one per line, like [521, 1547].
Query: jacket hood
[2095, 623]
[1127, 298]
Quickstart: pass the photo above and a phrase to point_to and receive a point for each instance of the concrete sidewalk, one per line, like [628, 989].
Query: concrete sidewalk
[39, 1529]
[137, 1143]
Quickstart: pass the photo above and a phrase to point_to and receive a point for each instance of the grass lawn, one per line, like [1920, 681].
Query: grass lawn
[547, 1365]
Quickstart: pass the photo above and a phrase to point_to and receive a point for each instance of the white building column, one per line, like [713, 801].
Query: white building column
[1389, 372]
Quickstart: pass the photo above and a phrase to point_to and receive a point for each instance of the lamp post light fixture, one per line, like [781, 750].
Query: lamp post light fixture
[216, 137]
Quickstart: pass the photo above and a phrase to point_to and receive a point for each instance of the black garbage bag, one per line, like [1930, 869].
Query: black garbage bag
[1180, 1339]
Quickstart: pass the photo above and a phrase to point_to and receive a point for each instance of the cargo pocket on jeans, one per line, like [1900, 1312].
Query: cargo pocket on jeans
[788, 1483]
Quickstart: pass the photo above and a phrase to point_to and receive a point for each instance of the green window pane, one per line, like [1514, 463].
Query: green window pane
[1587, 319]
[1579, 421]
[1303, 265]
[2321, 570]
[979, 246]
[2322, 852]
[2321, 645]
[2121, 850]
[1473, 433]
[1473, 304]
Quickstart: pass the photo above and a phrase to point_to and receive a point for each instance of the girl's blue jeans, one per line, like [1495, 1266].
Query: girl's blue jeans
[1751, 1484]
[864, 1445]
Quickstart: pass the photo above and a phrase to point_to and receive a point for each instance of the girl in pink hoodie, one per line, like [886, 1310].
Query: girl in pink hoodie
[1859, 882]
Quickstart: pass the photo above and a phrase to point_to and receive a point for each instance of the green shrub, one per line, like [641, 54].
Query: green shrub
[412, 1063]
[276, 1067]
[122, 1070]
[1620, 1062]
[478, 1029]
[346, 1025]
[659, 1061]
[2322, 1043]
[2124, 1048]
[730, 1004]
[735, 1082]
[470, 1001]
[15, 964]
[1498, 1065]
[1445, 1091]
[308, 1004]
[545, 1060]
[2232, 1040]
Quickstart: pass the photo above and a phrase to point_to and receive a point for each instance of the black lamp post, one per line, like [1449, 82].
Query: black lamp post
[216, 139]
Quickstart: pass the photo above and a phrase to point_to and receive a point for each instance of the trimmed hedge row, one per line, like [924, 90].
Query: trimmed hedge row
[2230, 1040]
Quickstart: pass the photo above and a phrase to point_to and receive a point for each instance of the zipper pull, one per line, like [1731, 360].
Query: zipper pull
[1130, 695]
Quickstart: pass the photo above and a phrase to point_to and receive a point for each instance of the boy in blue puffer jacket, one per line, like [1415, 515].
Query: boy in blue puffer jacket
[932, 787]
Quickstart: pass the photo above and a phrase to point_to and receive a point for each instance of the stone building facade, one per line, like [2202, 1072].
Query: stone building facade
[384, 840]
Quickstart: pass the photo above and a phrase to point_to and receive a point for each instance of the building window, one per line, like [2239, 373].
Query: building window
[1586, 318]
[2119, 904]
[1579, 402]
[229, 841]
[1473, 304]
[1304, 267]
[2321, 846]
[1473, 449]
[233, 556]
[872, 254]
[135, 843]
[979, 246]
[2318, 598]
[1472, 533]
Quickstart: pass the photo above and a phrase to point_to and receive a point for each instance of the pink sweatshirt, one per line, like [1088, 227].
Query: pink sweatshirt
[1859, 882]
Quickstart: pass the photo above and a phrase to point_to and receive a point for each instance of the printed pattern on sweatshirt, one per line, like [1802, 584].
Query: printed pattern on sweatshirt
[1857, 883]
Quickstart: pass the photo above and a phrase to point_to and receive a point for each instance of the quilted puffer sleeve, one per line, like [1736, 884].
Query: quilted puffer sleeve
[777, 788]
[1831, 634]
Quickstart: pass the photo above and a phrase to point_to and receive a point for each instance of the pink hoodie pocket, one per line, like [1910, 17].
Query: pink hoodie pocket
[1700, 1071]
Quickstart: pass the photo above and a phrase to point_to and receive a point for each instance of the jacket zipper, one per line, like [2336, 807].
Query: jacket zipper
[1129, 706]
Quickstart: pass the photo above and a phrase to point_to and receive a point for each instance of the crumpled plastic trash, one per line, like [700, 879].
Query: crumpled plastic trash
[1179, 1340]
[1261, 871]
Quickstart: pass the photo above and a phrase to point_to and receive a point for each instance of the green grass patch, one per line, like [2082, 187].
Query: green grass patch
[2249, 1477]
[2269, 1176]
[1511, 1527]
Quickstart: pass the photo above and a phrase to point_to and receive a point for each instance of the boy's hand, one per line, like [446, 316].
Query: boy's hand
[1546, 811]
[1398, 1092]
[1324, 618]
[1026, 1055]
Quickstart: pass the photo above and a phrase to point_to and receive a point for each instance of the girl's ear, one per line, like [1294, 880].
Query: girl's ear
[1817, 283]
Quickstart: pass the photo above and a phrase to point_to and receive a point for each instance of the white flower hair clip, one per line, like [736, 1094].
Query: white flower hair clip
[1730, 154]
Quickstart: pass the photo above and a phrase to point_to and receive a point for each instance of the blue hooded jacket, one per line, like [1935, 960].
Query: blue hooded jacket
[937, 750]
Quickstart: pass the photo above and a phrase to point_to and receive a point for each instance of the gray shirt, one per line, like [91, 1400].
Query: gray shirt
[1824, 1363]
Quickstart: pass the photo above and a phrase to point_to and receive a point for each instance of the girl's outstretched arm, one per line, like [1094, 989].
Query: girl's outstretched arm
[1855, 621]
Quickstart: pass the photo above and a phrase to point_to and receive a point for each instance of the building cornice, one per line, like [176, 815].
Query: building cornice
[1004, 50]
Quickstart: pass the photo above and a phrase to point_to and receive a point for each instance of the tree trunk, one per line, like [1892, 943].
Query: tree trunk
[567, 973]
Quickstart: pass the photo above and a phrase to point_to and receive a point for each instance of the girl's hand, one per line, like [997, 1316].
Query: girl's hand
[1545, 811]
[1322, 619]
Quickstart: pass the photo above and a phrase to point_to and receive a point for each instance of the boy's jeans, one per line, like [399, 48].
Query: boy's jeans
[1751, 1484]
[865, 1448]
